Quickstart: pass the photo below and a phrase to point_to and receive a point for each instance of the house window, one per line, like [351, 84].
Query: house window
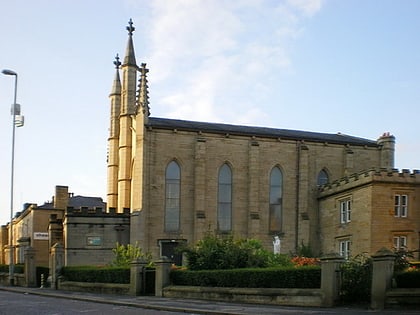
[172, 196]
[224, 199]
[344, 248]
[322, 178]
[400, 242]
[400, 206]
[276, 196]
[345, 211]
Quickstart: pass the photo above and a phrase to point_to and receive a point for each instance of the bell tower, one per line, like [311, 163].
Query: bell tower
[127, 115]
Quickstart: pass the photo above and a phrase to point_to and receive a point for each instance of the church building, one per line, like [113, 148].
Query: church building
[182, 179]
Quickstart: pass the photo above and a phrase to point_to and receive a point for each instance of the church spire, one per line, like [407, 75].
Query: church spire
[130, 58]
[126, 119]
[113, 140]
[116, 86]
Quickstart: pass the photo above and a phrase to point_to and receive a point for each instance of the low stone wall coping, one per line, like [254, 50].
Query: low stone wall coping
[107, 288]
[274, 296]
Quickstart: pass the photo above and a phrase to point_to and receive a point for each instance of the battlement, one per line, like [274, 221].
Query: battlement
[404, 176]
[95, 212]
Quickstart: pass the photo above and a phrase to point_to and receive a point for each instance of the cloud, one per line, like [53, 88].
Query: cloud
[206, 57]
[307, 7]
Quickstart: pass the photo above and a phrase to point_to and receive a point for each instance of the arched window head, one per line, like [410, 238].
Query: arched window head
[276, 200]
[172, 196]
[322, 178]
[224, 199]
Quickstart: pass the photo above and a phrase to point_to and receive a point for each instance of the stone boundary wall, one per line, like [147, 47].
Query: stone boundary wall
[19, 279]
[94, 287]
[403, 298]
[272, 296]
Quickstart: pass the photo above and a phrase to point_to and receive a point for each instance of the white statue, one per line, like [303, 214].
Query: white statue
[276, 244]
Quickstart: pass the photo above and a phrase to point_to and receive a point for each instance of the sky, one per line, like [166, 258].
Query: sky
[349, 66]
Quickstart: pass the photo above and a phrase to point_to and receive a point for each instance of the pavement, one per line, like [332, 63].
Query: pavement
[189, 306]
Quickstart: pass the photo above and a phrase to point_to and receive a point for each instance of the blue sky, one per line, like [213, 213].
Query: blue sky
[349, 66]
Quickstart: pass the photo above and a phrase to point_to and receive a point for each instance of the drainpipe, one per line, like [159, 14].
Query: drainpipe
[298, 148]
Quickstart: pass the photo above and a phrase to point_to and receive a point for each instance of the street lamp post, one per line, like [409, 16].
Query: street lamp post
[16, 122]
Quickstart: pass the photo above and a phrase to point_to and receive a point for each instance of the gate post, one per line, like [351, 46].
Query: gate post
[330, 278]
[56, 263]
[383, 270]
[30, 268]
[163, 269]
[136, 276]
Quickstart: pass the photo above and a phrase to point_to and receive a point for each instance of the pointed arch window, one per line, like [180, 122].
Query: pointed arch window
[323, 178]
[224, 199]
[172, 196]
[276, 199]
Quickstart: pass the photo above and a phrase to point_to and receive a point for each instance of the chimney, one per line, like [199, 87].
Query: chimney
[387, 155]
[61, 198]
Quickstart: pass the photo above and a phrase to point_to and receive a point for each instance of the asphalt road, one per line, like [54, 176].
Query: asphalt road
[35, 301]
[12, 303]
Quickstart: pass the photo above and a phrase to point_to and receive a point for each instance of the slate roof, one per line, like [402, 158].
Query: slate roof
[79, 201]
[264, 132]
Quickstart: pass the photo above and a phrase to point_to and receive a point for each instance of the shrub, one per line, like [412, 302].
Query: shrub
[286, 277]
[300, 261]
[279, 260]
[18, 268]
[213, 252]
[356, 277]
[408, 279]
[304, 251]
[96, 274]
[402, 259]
[125, 254]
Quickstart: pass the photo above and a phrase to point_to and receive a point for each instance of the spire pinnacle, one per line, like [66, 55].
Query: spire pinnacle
[130, 58]
[117, 62]
[116, 86]
[143, 96]
[130, 27]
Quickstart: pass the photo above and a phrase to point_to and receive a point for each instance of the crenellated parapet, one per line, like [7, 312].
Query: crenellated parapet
[381, 175]
[96, 212]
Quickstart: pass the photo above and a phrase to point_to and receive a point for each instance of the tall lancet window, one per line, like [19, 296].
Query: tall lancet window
[224, 199]
[276, 200]
[172, 196]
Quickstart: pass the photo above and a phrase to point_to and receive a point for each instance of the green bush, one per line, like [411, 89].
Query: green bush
[125, 254]
[96, 274]
[356, 278]
[285, 277]
[408, 279]
[19, 268]
[219, 253]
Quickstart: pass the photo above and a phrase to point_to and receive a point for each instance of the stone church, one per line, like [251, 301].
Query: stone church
[182, 179]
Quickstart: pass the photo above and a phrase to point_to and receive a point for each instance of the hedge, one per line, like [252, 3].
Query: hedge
[284, 277]
[408, 279]
[96, 274]
[18, 268]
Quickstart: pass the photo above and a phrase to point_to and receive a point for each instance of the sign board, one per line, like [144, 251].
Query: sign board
[94, 240]
[42, 236]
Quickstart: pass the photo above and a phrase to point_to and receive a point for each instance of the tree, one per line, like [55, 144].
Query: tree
[125, 254]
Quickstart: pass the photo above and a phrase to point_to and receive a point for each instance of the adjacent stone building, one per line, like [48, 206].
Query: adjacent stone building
[40, 227]
[367, 211]
[182, 179]
[90, 235]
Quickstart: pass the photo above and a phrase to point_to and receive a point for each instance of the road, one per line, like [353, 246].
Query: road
[35, 301]
[25, 304]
